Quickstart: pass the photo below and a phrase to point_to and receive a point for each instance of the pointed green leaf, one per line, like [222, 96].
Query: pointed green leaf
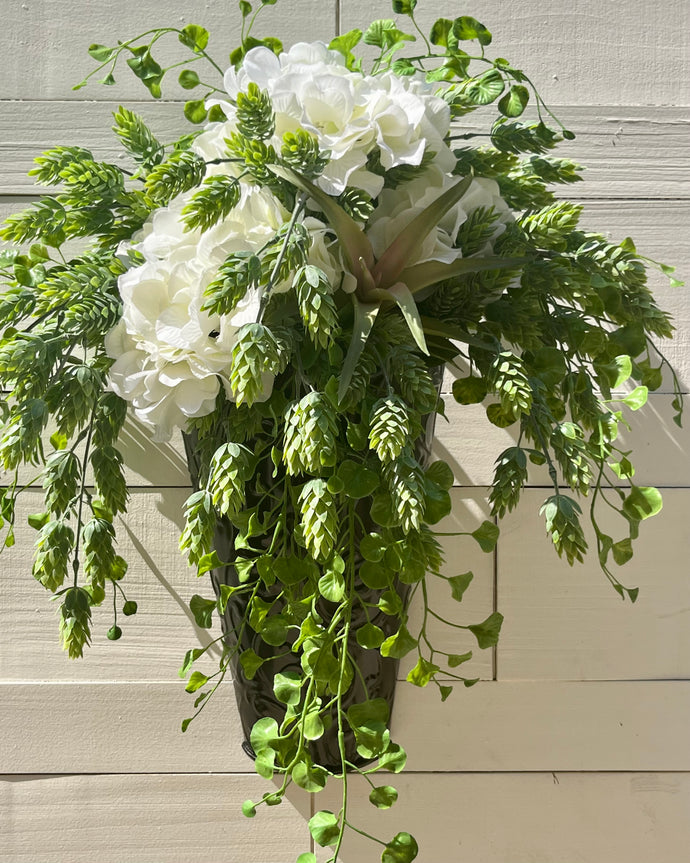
[365, 316]
[353, 241]
[459, 584]
[487, 632]
[421, 276]
[486, 535]
[387, 270]
[422, 673]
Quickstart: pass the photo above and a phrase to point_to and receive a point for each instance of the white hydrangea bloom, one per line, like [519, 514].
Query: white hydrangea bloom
[398, 207]
[349, 113]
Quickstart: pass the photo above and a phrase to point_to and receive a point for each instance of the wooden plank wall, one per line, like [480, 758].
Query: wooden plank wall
[575, 745]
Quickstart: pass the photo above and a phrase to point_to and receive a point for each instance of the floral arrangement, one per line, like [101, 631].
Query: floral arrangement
[284, 284]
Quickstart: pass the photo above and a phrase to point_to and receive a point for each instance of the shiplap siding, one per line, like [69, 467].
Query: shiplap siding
[574, 746]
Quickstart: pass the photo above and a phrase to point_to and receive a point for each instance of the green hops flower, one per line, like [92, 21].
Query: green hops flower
[213, 202]
[230, 468]
[562, 516]
[75, 618]
[570, 449]
[509, 477]
[109, 478]
[254, 116]
[301, 152]
[510, 383]
[319, 519]
[311, 432]
[99, 553]
[54, 544]
[60, 481]
[316, 304]
[256, 353]
[200, 515]
[405, 480]
[390, 427]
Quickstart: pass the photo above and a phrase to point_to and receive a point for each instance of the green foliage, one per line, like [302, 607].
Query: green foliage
[255, 113]
[212, 203]
[137, 138]
[314, 456]
[180, 172]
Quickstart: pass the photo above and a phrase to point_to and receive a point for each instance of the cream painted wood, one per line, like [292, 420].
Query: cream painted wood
[569, 624]
[595, 50]
[149, 818]
[46, 41]
[623, 68]
[156, 639]
[578, 53]
[619, 146]
[528, 818]
[496, 726]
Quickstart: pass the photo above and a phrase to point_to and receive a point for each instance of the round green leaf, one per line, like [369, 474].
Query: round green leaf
[307, 857]
[401, 849]
[309, 776]
[287, 687]
[485, 87]
[195, 111]
[324, 828]
[642, 502]
[370, 636]
[188, 79]
[469, 391]
[248, 809]
[440, 473]
[372, 547]
[332, 586]
[358, 480]
[383, 797]
[466, 28]
[263, 733]
[514, 102]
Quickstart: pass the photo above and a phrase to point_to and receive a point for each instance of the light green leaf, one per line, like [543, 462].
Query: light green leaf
[422, 673]
[332, 586]
[514, 102]
[466, 28]
[455, 659]
[486, 535]
[202, 609]
[637, 398]
[399, 644]
[196, 681]
[194, 37]
[383, 797]
[324, 828]
[251, 662]
[287, 687]
[401, 849]
[642, 502]
[487, 632]
[485, 87]
[459, 584]
[310, 777]
[622, 551]
[370, 636]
